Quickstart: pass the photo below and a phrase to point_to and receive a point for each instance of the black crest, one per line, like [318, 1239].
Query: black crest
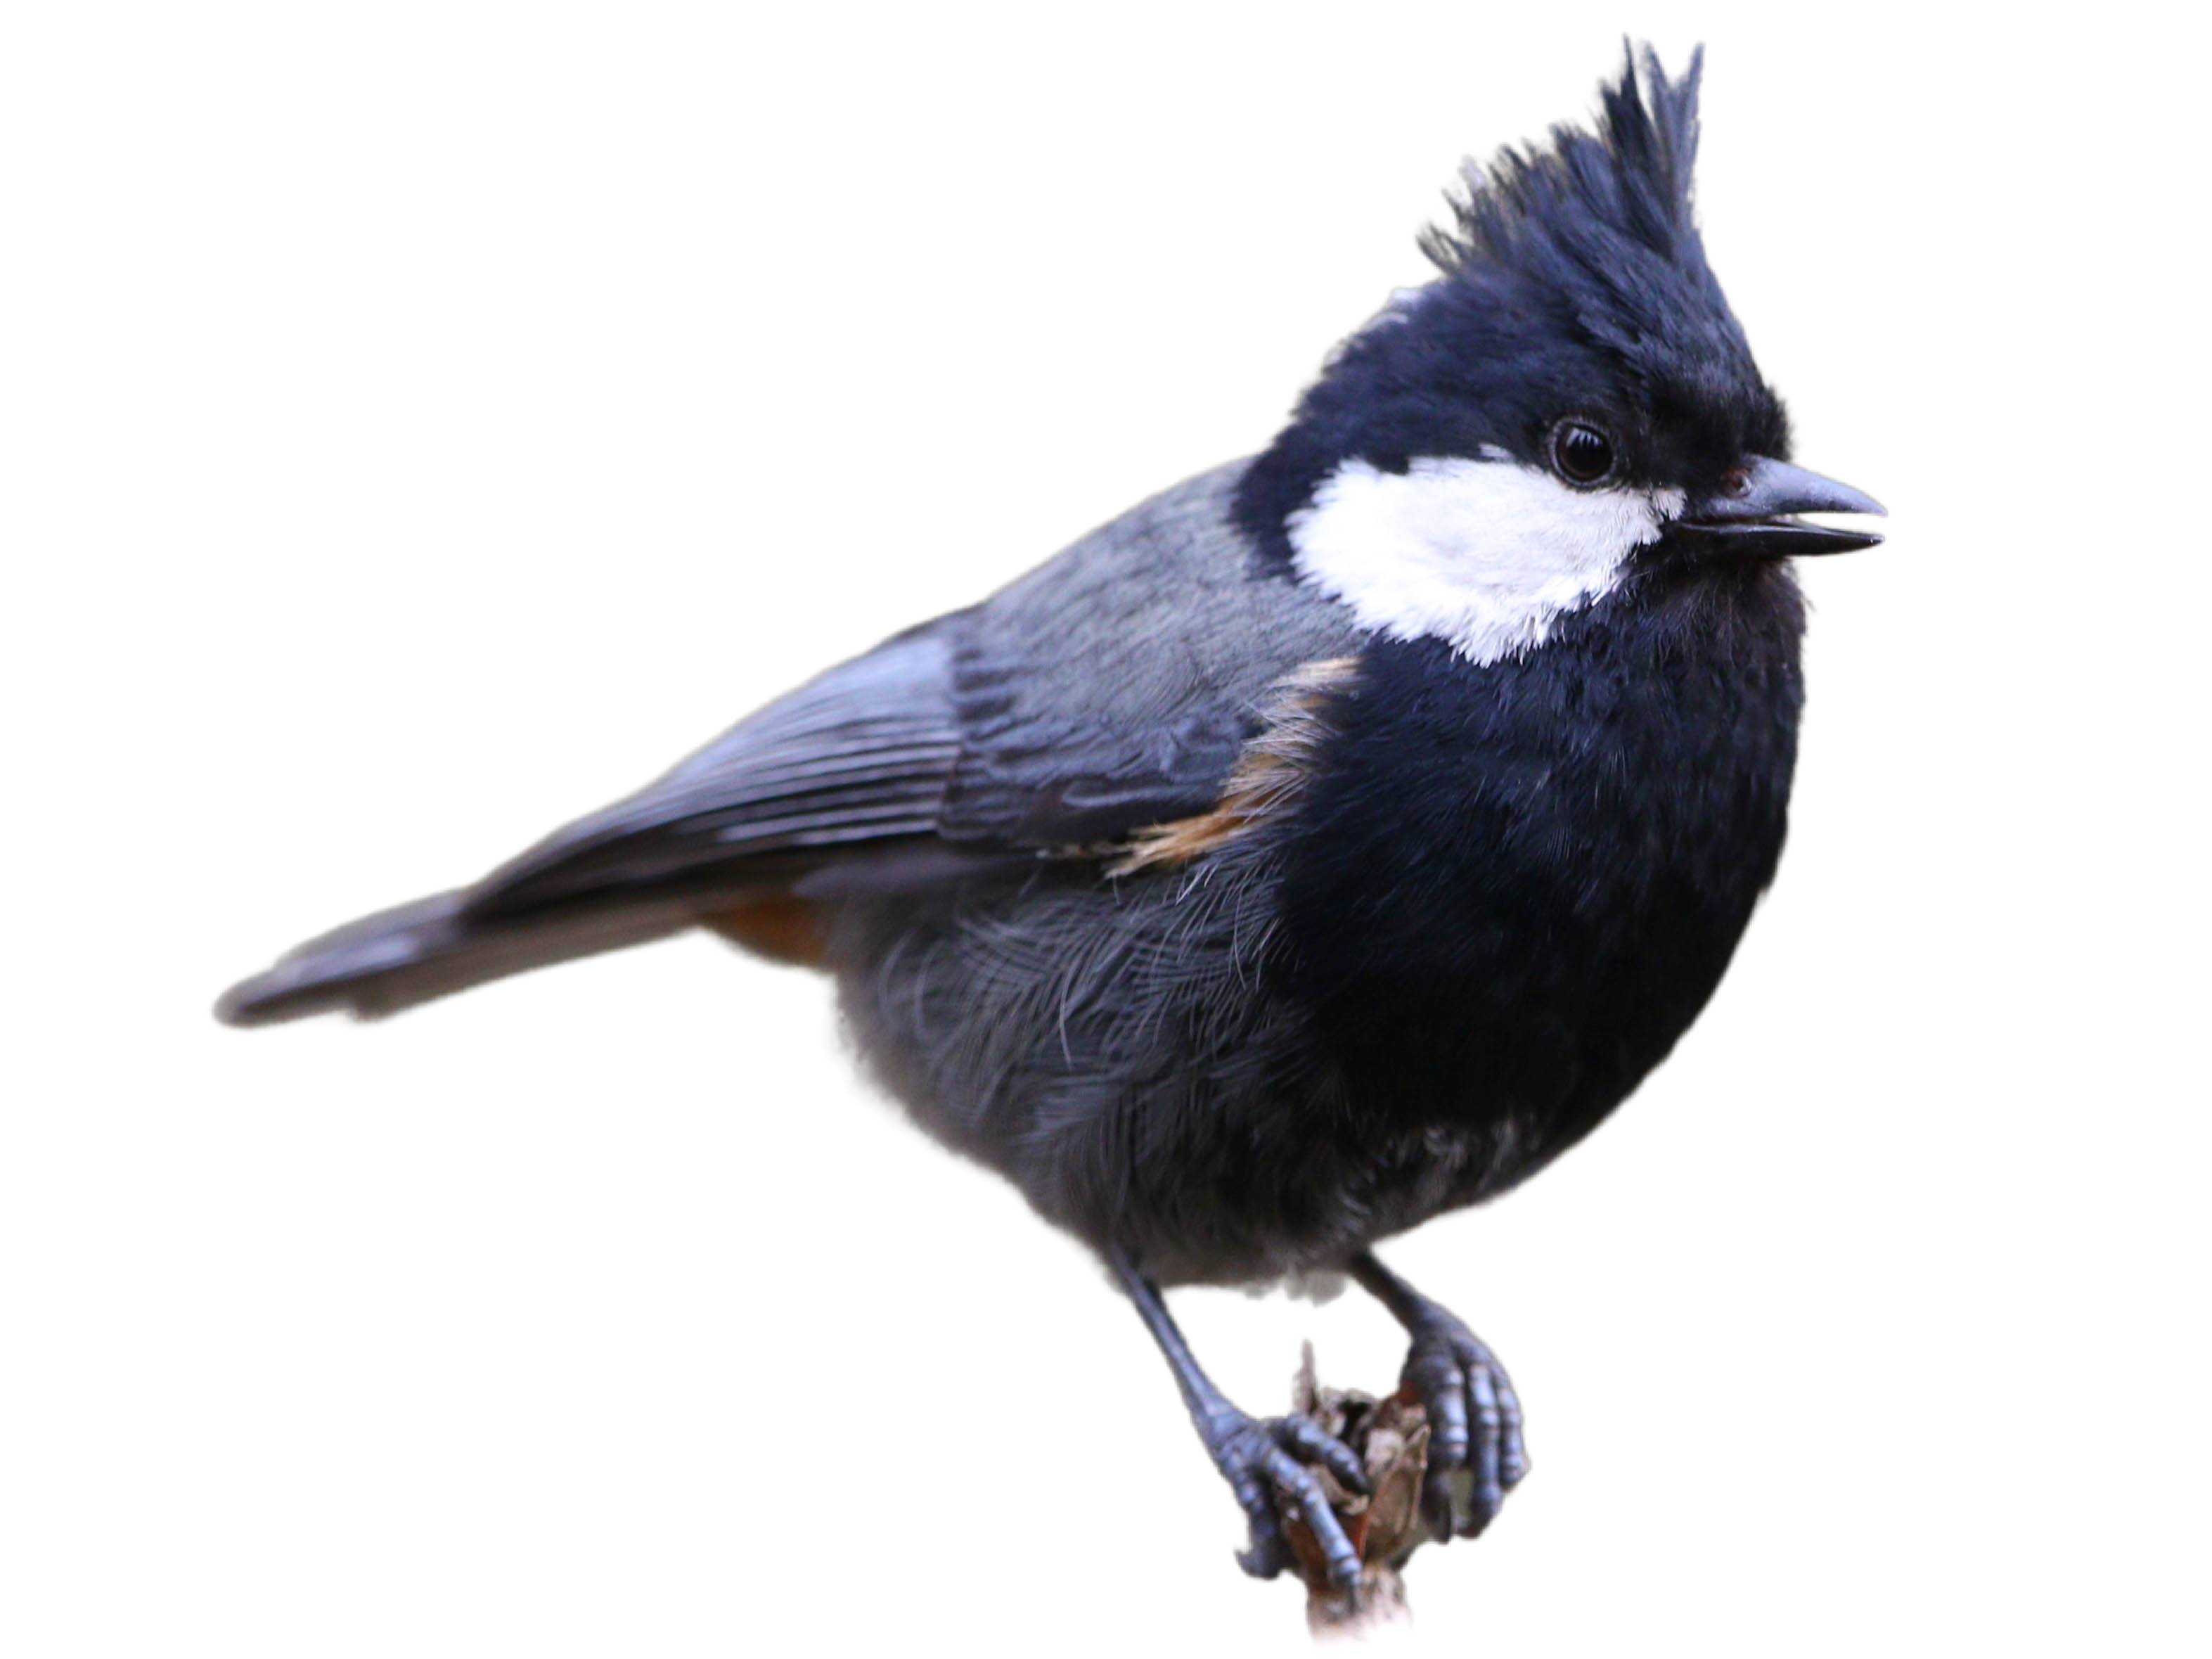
[1581, 206]
[1574, 282]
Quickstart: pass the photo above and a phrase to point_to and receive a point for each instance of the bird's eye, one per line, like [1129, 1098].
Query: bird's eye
[1581, 453]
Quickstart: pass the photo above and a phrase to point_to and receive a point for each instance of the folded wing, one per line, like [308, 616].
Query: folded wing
[1110, 690]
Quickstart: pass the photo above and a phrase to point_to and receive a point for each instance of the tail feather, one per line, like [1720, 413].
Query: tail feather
[847, 772]
[433, 947]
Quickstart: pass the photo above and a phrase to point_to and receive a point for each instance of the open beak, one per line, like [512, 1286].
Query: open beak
[1751, 517]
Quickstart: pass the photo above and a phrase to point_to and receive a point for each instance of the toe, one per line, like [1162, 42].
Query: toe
[1435, 1376]
[1474, 1426]
[1487, 1494]
[1295, 1479]
[1513, 1450]
[1309, 1442]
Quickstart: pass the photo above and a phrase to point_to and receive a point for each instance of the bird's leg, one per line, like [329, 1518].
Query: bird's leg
[1263, 1459]
[1475, 1416]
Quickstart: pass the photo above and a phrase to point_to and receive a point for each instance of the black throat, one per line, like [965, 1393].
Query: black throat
[1514, 885]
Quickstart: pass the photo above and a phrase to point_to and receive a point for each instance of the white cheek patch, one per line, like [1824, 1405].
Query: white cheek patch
[1485, 555]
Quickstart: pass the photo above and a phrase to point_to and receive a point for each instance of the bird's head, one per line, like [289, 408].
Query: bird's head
[1570, 401]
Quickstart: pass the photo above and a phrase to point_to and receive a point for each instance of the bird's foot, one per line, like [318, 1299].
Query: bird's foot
[1272, 1465]
[1475, 1450]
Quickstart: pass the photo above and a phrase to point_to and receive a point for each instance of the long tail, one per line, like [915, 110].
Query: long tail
[840, 780]
[433, 947]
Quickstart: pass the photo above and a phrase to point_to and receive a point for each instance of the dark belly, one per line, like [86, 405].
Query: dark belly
[1476, 935]
[1517, 886]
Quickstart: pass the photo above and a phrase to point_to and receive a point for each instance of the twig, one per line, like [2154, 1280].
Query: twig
[1390, 1437]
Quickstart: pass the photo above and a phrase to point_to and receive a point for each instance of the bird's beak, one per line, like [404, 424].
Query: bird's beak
[1750, 516]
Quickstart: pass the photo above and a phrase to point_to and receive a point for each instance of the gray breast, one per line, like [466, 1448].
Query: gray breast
[1112, 1044]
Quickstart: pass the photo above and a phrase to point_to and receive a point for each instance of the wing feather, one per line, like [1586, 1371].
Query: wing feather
[1111, 691]
[860, 754]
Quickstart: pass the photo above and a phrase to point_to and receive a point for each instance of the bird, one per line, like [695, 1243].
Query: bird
[1327, 844]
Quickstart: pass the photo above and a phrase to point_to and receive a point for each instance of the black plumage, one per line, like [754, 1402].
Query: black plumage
[1326, 843]
[1573, 277]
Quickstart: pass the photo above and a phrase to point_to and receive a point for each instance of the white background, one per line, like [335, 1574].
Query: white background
[423, 422]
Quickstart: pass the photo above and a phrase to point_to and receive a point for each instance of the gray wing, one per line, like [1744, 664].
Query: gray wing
[858, 756]
[1109, 689]
[1114, 687]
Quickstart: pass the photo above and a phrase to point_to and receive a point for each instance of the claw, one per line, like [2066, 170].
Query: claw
[1305, 1436]
[1266, 1462]
[1264, 1559]
[1269, 1551]
[1476, 1451]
